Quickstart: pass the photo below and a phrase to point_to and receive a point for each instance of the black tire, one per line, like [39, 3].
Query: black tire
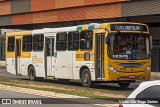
[86, 78]
[124, 85]
[32, 73]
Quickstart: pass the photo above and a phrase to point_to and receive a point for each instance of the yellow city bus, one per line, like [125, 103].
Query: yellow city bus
[117, 52]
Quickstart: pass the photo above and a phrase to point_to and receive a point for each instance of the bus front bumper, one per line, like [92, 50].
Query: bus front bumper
[122, 76]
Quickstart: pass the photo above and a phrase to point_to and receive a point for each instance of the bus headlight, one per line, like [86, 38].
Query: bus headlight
[148, 69]
[112, 69]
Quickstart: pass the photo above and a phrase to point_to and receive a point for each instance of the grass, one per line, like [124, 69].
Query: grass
[71, 86]
[89, 92]
[89, 95]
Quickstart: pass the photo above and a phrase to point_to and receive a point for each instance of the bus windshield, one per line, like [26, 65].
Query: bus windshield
[132, 46]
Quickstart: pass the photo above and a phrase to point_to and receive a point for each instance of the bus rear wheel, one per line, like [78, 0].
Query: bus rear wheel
[86, 78]
[32, 73]
[124, 85]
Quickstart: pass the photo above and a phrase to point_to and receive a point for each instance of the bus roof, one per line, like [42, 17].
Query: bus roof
[51, 30]
[81, 27]
[73, 28]
[19, 33]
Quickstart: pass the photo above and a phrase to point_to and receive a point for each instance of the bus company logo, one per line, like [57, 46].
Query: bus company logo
[37, 59]
[6, 101]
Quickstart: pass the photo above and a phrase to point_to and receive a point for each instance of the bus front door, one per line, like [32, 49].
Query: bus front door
[17, 57]
[49, 56]
[99, 50]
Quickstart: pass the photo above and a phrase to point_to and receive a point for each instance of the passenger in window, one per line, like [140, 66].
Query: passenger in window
[127, 49]
[87, 44]
[123, 41]
[83, 41]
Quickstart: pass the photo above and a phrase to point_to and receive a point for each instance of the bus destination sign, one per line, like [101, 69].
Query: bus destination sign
[128, 27]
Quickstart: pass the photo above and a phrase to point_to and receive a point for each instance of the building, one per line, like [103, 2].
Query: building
[35, 14]
[2, 46]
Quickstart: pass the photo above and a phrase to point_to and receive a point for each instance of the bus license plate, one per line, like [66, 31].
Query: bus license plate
[132, 77]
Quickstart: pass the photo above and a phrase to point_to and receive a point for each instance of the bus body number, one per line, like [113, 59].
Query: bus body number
[79, 56]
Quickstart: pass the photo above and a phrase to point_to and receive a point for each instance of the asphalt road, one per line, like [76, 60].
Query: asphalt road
[62, 102]
[5, 74]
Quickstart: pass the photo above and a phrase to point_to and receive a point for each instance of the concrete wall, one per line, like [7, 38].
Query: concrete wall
[140, 7]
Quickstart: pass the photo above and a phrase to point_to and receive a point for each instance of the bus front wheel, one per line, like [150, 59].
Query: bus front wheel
[124, 85]
[86, 78]
[32, 74]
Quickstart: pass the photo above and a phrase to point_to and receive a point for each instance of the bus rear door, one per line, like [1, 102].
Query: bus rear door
[49, 56]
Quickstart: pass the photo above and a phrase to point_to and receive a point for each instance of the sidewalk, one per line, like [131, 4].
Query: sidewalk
[47, 94]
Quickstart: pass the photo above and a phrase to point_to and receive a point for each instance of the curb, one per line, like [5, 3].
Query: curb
[3, 67]
[58, 95]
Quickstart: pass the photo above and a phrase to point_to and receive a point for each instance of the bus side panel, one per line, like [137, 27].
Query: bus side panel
[37, 59]
[92, 71]
[11, 65]
[63, 65]
[40, 71]
[77, 64]
[76, 68]
[25, 63]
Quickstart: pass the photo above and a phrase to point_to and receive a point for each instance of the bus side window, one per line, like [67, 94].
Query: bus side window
[27, 43]
[61, 41]
[38, 41]
[11, 46]
[73, 41]
[86, 40]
